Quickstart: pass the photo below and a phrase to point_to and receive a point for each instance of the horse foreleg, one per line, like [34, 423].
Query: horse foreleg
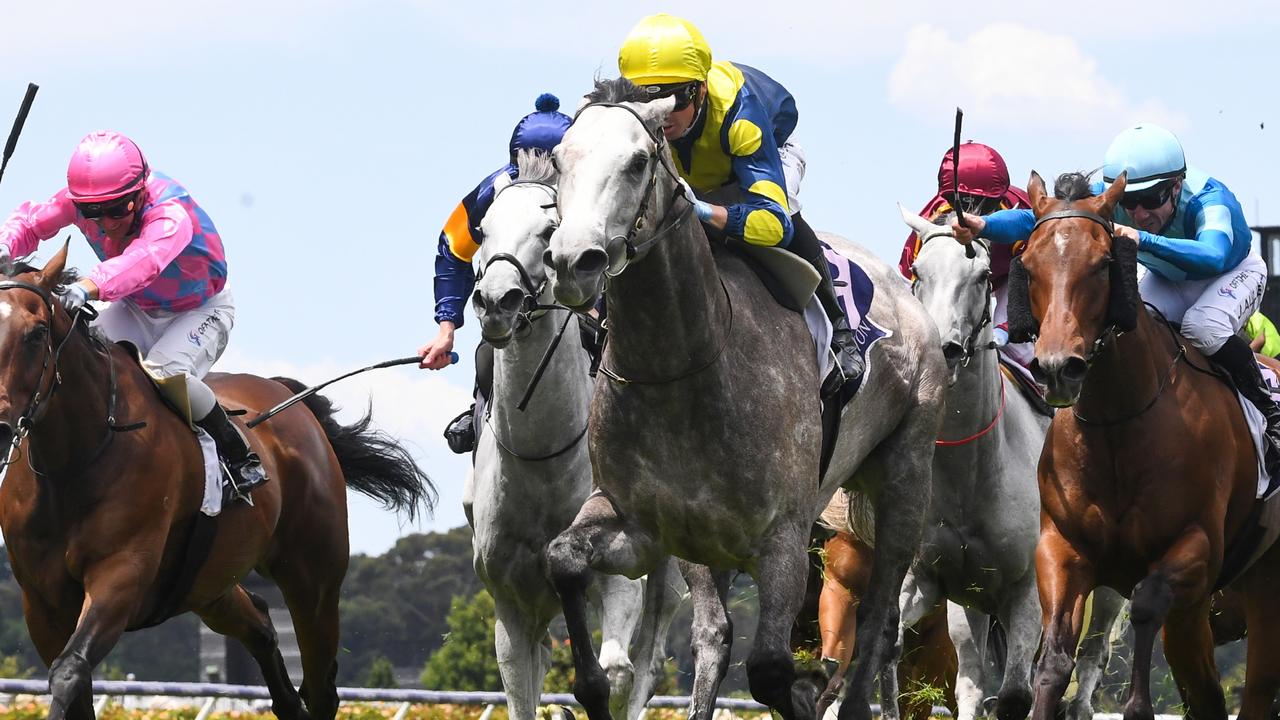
[837, 622]
[919, 595]
[518, 647]
[622, 603]
[1064, 579]
[111, 597]
[1262, 664]
[50, 631]
[711, 636]
[1021, 620]
[1094, 652]
[1152, 598]
[1188, 646]
[781, 573]
[599, 540]
[968, 629]
[663, 591]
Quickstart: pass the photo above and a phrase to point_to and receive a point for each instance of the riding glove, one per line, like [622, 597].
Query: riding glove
[700, 208]
[74, 297]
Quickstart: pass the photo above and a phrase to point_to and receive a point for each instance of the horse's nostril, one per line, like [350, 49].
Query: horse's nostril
[512, 300]
[1038, 372]
[953, 352]
[1074, 369]
[591, 262]
[547, 259]
[6, 436]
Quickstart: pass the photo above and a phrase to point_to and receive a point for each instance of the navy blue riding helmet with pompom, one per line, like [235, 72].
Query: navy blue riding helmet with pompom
[541, 129]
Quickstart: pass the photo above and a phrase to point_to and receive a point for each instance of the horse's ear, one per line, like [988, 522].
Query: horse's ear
[49, 275]
[655, 112]
[500, 182]
[917, 224]
[1111, 196]
[1038, 195]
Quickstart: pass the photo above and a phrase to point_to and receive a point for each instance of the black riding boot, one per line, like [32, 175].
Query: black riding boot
[461, 434]
[849, 364]
[243, 465]
[1238, 360]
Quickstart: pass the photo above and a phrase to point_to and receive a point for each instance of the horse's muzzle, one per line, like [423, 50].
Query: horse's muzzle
[578, 279]
[1062, 376]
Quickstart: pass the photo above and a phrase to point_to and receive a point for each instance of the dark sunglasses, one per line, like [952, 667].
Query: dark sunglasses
[1147, 199]
[114, 209]
[684, 93]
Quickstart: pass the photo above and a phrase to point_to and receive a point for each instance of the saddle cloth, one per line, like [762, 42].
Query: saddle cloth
[173, 389]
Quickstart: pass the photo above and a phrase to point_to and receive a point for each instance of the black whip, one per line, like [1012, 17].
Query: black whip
[969, 252]
[18, 122]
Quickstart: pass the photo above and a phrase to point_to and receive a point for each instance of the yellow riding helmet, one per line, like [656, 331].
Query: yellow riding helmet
[664, 49]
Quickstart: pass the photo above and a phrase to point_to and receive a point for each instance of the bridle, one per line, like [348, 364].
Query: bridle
[532, 307]
[39, 396]
[671, 219]
[1111, 332]
[970, 346]
[669, 222]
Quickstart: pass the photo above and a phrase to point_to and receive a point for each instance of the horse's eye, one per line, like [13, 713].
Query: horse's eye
[984, 277]
[637, 164]
[37, 334]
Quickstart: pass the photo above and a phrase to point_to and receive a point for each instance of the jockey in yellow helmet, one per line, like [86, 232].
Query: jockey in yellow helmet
[731, 137]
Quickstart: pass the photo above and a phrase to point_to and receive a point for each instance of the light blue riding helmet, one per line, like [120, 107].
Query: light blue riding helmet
[1150, 153]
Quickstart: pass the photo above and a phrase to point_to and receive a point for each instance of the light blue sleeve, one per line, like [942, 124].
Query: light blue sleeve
[1006, 227]
[1205, 255]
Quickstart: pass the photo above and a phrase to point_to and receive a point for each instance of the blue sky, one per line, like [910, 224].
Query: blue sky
[330, 140]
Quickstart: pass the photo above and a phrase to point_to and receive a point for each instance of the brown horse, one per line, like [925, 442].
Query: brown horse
[928, 657]
[1150, 476]
[100, 502]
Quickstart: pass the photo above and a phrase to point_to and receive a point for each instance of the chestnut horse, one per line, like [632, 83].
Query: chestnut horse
[100, 504]
[928, 657]
[1149, 478]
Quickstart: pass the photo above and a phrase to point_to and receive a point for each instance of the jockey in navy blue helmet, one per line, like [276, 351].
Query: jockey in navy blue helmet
[455, 278]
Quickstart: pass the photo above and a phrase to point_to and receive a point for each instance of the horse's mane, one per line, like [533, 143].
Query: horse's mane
[1072, 186]
[535, 166]
[616, 90]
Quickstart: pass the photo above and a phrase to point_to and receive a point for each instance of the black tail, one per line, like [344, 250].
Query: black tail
[373, 462]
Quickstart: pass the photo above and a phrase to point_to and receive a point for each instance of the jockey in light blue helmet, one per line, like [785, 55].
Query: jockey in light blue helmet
[1204, 273]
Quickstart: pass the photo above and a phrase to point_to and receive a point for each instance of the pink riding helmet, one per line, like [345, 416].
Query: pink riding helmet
[106, 165]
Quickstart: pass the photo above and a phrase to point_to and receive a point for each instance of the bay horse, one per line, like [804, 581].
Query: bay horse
[105, 483]
[704, 432]
[532, 472]
[1149, 477]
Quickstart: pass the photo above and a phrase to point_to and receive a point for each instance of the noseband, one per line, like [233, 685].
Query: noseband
[970, 347]
[638, 222]
[532, 292]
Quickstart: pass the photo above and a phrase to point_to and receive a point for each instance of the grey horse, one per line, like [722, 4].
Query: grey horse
[980, 540]
[704, 431]
[531, 467]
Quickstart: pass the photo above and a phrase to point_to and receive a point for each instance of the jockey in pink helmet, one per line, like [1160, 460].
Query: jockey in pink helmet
[162, 269]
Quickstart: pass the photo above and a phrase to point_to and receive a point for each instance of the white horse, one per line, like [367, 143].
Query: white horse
[980, 539]
[531, 471]
[705, 426]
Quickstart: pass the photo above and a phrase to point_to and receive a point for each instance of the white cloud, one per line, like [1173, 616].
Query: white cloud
[410, 404]
[1016, 76]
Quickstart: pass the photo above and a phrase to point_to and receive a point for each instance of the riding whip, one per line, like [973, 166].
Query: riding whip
[955, 182]
[453, 358]
[18, 122]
